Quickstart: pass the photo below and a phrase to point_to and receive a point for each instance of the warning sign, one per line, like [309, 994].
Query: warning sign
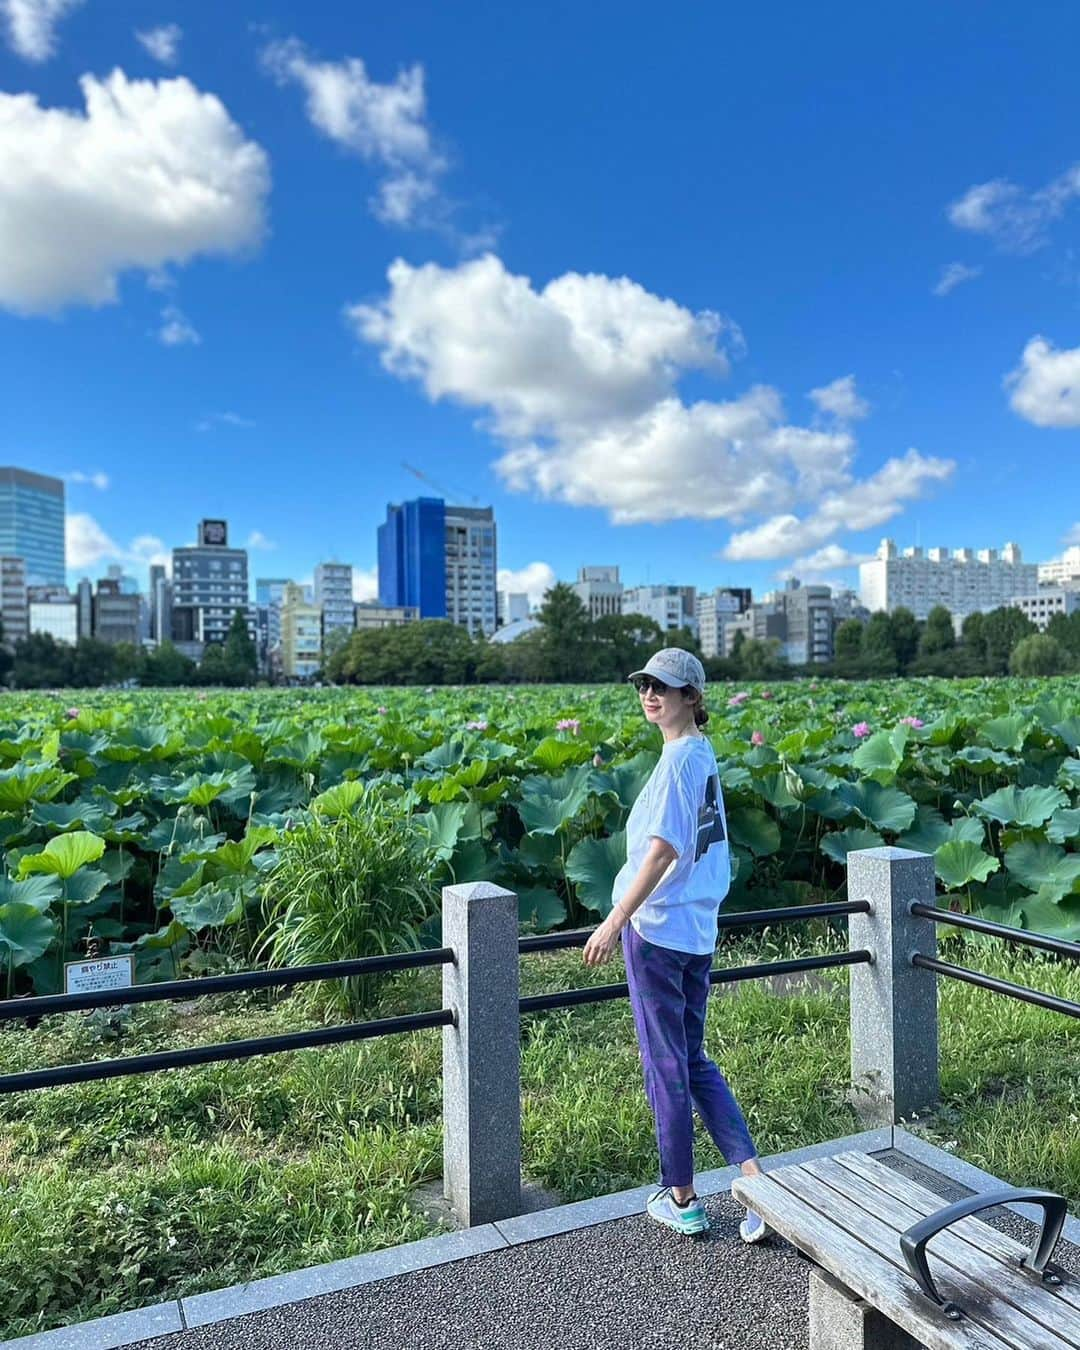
[87, 977]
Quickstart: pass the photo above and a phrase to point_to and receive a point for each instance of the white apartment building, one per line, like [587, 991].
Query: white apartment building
[513, 607]
[963, 581]
[600, 591]
[1048, 601]
[369, 614]
[14, 613]
[671, 606]
[714, 610]
[333, 595]
[1063, 572]
[470, 568]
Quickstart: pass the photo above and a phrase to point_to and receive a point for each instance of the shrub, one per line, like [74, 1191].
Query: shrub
[358, 885]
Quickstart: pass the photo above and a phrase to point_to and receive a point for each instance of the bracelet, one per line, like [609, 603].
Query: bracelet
[619, 907]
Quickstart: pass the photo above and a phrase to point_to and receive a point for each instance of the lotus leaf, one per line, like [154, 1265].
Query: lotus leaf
[880, 755]
[443, 824]
[1006, 733]
[1043, 867]
[839, 843]
[64, 855]
[959, 862]
[1068, 730]
[592, 866]
[553, 754]
[931, 830]
[548, 804]
[39, 891]
[27, 783]
[209, 907]
[339, 800]
[754, 830]
[1064, 825]
[885, 807]
[1021, 806]
[25, 933]
[69, 815]
[540, 908]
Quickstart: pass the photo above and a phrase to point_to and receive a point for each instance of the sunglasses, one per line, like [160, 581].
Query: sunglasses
[647, 686]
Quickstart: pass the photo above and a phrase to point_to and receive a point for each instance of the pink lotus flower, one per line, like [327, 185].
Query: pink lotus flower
[570, 724]
[813, 686]
[766, 693]
[201, 697]
[736, 699]
[861, 729]
[382, 711]
[476, 726]
[757, 738]
[912, 722]
[72, 712]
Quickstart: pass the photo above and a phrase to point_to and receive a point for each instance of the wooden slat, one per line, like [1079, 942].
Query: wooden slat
[982, 1306]
[861, 1270]
[925, 1202]
[996, 1278]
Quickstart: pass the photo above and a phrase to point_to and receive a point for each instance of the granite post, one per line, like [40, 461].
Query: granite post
[840, 1320]
[481, 1054]
[894, 1023]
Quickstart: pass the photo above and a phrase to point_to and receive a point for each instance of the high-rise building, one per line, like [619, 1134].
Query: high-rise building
[14, 613]
[599, 590]
[760, 621]
[412, 557]
[269, 597]
[116, 613]
[333, 595]
[964, 583]
[808, 611]
[160, 603]
[370, 614]
[32, 524]
[53, 610]
[1041, 607]
[714, 609]
[301, 634]
[670, 606]
[210, 583]
[440, 560]
[470, 568]
[84, 600]
[513, 607]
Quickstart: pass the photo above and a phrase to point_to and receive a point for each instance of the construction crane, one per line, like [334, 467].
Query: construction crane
[439, 488]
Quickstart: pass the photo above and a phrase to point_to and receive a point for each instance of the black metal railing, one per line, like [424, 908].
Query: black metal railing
[96, 1070]
[1017, 936]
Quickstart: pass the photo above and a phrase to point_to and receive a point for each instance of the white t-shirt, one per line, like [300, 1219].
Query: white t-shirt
[677, 804]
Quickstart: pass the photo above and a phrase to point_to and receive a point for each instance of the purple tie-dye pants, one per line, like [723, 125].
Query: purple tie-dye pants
[668, 994]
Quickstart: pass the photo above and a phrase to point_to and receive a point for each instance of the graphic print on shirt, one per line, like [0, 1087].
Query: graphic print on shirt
[710, 826]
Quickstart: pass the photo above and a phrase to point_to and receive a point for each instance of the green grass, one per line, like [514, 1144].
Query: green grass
[123, 1193]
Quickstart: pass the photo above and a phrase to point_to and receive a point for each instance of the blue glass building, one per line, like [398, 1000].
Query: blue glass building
[32, 524]
[412, 556]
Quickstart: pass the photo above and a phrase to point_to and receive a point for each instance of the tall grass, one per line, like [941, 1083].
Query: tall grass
[358, 885]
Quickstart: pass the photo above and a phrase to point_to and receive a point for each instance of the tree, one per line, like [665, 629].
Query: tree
[167, 666]
[623, 643]
[848, 642]
[879, 654]
[92, 663]
[212, 667]
[239, 656]
[7, 660]
[938, 635]
[905, 636]
[1002, 629]
[41, 661]
[565, 628]
[1065, 628]
[761, 658]
[1040, 654]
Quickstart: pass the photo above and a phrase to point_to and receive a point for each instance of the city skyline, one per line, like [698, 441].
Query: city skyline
[800, 286]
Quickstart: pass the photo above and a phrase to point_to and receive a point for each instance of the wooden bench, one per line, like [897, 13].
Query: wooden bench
[974, 1288]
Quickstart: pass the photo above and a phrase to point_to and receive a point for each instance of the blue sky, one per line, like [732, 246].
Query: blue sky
[585, 263]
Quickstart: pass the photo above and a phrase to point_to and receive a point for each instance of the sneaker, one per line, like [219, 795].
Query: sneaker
[752, 1228]
[689, 1218]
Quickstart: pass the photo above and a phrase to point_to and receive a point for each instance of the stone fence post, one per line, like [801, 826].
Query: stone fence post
[894, 1021]
[481, 1054]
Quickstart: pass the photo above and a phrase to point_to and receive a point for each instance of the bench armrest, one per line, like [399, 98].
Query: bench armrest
[913, 1241]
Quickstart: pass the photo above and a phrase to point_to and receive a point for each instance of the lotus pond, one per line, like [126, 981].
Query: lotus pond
[158, 818]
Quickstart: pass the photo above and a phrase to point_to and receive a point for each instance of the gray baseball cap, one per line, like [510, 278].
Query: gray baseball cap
[674, 666]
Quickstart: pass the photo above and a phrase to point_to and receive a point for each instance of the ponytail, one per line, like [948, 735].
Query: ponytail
[701, 713]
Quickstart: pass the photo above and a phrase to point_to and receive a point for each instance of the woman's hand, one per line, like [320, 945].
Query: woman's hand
[601, 945]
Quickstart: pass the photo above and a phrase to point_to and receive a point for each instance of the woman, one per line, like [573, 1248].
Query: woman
[664, 905]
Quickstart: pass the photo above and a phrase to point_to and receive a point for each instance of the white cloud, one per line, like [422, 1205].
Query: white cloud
[533, 580]
[163, 43]
[98, 480]
[955, 274]
[224, 419]
[30, 25]
[153, 173]
[176, 328]
[256, 539]
[365, 584]
[1046, 385]
[579, 382]
[1071, 538]
[384, 124]
[858, 506]
[86, 543]
[826, 559]
[840, 400]
[1017, 220]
